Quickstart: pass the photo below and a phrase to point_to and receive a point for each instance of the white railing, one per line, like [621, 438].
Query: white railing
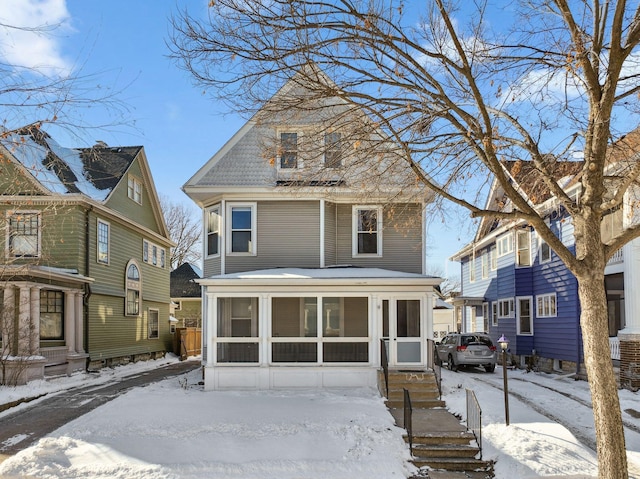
[614, 345]
[616, 258]
[55, 355]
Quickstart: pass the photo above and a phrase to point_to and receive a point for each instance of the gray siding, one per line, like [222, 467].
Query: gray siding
[401, 238]
[288, 236]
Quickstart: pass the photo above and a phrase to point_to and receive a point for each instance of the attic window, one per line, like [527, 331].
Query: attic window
[134, 189]
[332, 152]
[288, 150]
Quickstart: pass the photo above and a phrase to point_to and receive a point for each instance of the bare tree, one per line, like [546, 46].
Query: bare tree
[185, 229]
[462, 101]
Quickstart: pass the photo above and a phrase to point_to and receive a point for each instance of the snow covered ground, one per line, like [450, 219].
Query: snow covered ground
[173, 429]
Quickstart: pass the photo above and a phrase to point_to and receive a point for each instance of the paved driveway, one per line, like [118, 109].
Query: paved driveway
[25, 426]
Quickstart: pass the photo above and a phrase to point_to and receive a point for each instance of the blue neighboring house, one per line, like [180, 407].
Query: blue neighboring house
[514, 284]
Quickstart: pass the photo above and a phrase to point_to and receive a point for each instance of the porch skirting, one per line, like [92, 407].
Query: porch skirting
[288, 377]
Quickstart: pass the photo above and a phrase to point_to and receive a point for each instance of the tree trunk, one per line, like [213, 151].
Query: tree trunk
[612, 456]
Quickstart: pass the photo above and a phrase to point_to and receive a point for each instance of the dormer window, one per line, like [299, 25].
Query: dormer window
[332, 150]
[288, 151]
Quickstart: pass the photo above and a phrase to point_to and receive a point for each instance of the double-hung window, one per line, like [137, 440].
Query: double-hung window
[332, 150]
[472, 268]
[153, 323]
[485, 265]
[23, 238]
[51, 314]
[103, 242]
[134, 189]
[494, 258]
[288, 150]
[241, 224]
[544, 251]
[523, 240]
[525, 316]
[367, 230]
[213, 231]
[504, 244]
[494, 313]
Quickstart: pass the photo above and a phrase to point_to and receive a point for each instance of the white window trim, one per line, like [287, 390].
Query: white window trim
[108, 225]
[542, 242]
[7, 250]
[254, 228]
[541, 298]
[518, 234]
[134, 285]
[299, 162]
[217, 207]
[510, 307]
[339, 150]
[531, 315]
[354, 231]
[494, 313]
[136, 181]
[485, 264]
[149, 322]
[504, 244]
[486, 314]
[472, 268]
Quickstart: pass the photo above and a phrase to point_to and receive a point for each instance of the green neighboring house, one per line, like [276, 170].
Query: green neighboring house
[84, 279]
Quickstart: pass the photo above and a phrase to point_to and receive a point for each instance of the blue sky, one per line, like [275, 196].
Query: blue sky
[123, 43]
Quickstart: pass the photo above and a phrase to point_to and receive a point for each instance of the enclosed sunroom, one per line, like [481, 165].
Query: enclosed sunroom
[289, 327]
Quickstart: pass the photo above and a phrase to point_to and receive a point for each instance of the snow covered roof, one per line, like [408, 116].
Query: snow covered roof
[94, 172]
[300, 275]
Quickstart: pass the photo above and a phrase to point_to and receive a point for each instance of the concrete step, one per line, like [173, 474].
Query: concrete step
[429, 451]
[454, 464]
[416, 404]
[439, 438]
[415, 394]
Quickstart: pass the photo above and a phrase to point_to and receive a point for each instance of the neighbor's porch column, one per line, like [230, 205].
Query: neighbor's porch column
[69, 321]
[629, 336]
[79, 320]
[8, 323]
[35, 320]
[24, 322]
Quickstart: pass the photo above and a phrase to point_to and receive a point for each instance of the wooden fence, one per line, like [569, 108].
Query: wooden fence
[188, 342]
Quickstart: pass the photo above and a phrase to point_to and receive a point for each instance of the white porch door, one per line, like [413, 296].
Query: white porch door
[403, 332]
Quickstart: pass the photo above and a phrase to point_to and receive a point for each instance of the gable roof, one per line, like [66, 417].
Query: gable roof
[182, 284]
[248, 160]
[93, 172]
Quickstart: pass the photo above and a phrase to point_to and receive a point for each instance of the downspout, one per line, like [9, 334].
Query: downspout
[87, 287]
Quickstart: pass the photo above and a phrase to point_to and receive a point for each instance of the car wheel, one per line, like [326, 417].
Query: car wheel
[451, 364]
[490, 368]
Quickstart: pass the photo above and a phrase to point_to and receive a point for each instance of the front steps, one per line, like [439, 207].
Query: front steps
[441, 444]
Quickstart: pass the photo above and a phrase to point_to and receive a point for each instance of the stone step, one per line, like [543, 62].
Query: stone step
[428, 451]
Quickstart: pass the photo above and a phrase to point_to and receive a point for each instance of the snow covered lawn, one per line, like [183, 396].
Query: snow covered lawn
[167, 430]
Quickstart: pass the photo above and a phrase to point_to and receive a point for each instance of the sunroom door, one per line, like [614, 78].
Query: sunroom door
[402, 331]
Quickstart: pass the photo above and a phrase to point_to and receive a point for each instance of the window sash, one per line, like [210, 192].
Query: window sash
[103, 242]
[523, 238]
[333, 150]
[213, 232]
[133, 302]
[51, 315]
[367, 231]
[154, 324]
[134, 189]
[288, 150]
[525, 316]
[242, 223]
[546, 306]
[24, 235]
[545, 251]
[485, 265]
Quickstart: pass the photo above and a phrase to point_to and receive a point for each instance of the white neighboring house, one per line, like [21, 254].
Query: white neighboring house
[307, 271]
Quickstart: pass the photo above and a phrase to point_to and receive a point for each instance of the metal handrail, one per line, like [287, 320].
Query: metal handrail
[385, 364]
[408, 419]
[474, 418]
[433, 364]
